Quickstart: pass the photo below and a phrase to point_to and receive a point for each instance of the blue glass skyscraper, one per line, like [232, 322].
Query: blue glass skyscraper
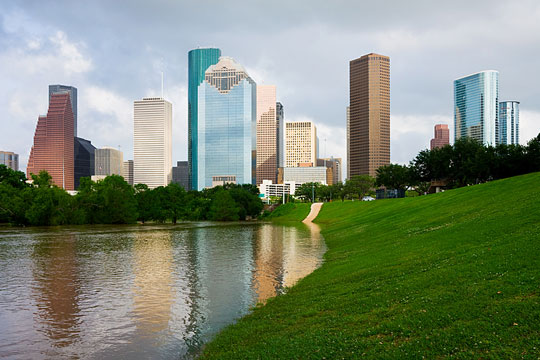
[198, 62]
[476, 105]
[509, 122]
[226, 126]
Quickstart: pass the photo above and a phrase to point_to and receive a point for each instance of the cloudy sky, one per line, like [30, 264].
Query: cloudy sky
[114, 52]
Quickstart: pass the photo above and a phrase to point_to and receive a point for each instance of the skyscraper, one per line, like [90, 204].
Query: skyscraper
[109, 161]
[180, 174]
[509, 122]
[84, 160]
[348, 145]
[280, 119]
[226, 126]
[53, 148]
[334, 164]
[476, 107]
[442, 136]
[10, 159]
[198, 62]
[55, 89]
[300, 143]
[369, 114]
[267, 134]
[128, 171]
[152, 142]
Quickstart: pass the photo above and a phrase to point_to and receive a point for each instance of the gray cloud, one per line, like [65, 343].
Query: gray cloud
[114, 52]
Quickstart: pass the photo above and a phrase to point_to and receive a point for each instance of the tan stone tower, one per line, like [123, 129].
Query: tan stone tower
[267, 134]
[369, 128]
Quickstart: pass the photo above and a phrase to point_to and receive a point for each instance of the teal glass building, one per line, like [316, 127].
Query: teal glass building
[476, 107]
[199, 60]
[509, 122]
[226, 128]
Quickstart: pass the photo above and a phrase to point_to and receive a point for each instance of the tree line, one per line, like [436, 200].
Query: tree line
[466, 162]
[113, 201]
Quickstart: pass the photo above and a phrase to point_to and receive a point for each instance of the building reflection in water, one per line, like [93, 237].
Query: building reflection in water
[153, 293]
[55, 290]
[283, 255]
[304, 251]
[268, 254]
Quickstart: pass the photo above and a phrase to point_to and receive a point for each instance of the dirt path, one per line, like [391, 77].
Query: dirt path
[315, 208]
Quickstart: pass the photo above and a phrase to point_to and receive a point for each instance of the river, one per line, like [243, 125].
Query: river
[141, 292]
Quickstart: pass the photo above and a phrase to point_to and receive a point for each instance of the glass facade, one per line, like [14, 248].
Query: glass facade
[84, 160]
[509, 122]
[198, 62]
[476, 99]
[10, 159]
[226, 126]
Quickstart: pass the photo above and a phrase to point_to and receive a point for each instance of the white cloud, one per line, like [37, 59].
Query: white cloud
[105, 118]
[73, 59]
[529, 125]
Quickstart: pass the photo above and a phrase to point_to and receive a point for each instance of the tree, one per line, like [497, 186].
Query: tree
[176, 207]
[359, 185]
[306, 191]
[223, 207]
[393, 176]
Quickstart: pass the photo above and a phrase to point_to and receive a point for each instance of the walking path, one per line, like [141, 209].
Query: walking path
[315, 208]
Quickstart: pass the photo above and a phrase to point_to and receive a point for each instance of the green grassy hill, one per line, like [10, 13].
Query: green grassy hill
[455, 274]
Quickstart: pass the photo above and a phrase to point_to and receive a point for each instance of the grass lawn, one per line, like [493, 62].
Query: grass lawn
[290, 212]
[455, 274]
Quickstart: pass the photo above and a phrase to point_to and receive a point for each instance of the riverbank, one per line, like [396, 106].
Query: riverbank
[450, 274]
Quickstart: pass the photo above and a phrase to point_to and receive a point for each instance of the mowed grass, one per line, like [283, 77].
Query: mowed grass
[290, 212]
[455, 274]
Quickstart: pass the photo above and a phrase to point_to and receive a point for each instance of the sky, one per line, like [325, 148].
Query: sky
[114, 53]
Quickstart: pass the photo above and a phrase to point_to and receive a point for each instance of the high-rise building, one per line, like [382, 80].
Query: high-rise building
[334, 164]
[84, 155]
[348, 145]
[369, 113]
[180, 174]
[281, 134]
[226, 128]
[152, 142]
[128, 171]
[55, 89]
[198, 62]
[10, 159]
[509, 122]
[442, 136]
[267, 134]
[476, 107]
[109, 161]
[300, 143]
[53, 148]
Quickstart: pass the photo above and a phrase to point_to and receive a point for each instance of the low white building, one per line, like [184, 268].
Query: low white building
[267, 189]
[301, 175]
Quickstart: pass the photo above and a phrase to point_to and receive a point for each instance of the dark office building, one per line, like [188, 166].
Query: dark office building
[54, 89]
[84, 160]
[180, 174]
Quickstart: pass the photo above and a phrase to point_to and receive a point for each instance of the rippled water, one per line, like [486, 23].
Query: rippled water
[140, 291]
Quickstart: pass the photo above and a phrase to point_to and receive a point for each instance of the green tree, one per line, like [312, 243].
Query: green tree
[223, 207]
[176, 206]
[393, 176]
[359, 185]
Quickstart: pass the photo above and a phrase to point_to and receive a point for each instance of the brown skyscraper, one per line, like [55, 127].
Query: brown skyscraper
[442, 136]
[53, 148]
[369, 124]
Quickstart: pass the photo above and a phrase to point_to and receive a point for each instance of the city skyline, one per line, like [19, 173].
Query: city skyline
[108, 81]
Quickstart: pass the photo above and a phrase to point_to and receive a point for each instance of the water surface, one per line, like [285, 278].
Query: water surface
[140, 292]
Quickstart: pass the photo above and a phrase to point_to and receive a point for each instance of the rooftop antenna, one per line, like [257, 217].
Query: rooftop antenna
[162, 84]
